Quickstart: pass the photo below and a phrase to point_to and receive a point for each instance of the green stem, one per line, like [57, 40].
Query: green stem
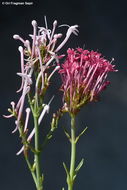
[24, 140]
[37, 154]
[30, 168]
[73, 153]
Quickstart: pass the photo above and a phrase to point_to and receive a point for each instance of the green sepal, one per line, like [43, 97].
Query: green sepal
[77, 138]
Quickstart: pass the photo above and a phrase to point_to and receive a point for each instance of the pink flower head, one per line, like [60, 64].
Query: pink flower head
[83, 76]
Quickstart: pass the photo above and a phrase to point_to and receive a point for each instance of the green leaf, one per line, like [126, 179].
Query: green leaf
[66, 169]
[67, 134]
[49, 136]
[33, 167]
[67, 172]
[81, 134]
[79, 166]
[42, 178]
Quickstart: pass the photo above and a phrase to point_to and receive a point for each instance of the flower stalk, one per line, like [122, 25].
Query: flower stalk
[37, 155]
[73, 153]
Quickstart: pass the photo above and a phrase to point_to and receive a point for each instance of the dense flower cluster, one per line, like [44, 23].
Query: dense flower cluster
[84, 76]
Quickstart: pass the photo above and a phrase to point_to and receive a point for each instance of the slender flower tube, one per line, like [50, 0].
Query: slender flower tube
[34, 24]
[27, 118]
[22, 65]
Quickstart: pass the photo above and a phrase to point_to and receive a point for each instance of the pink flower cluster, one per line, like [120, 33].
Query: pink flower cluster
[83, 76]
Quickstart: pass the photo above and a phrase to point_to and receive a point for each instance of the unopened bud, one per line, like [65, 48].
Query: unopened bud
[16, 37]
[34, 23]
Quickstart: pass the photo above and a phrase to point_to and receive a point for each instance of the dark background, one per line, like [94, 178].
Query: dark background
[103, 27]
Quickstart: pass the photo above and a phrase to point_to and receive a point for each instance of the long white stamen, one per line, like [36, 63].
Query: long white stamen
[21, 150]
[8, 116]
[56, 68]
[22, 58]
[38, 78]
[27, 118]
[53, 30]
[34, 24]
[18, 104]
[25, 91]
[46, 109]
[16, 128]
[63, 25]
[46, 25]
[17, 37]
[22, 65]
[27, 44]
[42, 70]
[47, 64]
[53, 44]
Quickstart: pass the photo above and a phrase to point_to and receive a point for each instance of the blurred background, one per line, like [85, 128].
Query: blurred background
[102, 27]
